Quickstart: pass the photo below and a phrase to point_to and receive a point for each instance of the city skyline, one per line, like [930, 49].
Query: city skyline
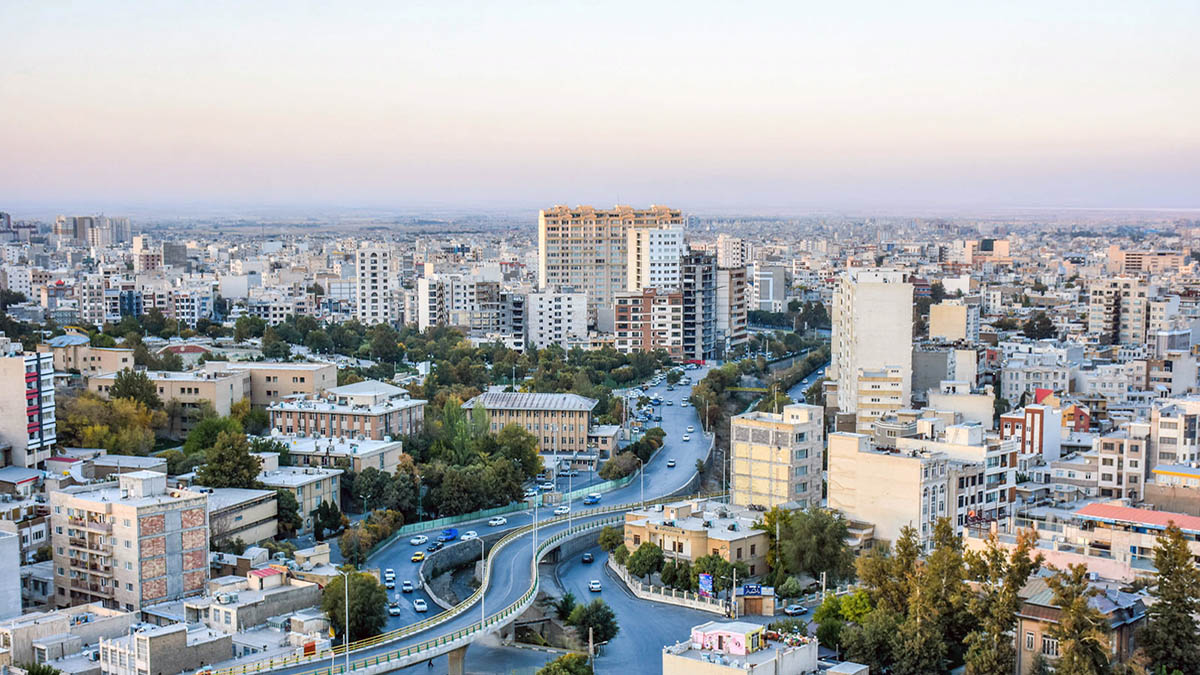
[776, 107]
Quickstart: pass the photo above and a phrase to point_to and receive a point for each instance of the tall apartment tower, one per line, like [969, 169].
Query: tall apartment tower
[374, 284]
[698, 283]
[732, 315]
[586, 249]
[775, 458]
[872, 331]
[129, 543]
[1118, 310]
[653, 257]
[27, 406]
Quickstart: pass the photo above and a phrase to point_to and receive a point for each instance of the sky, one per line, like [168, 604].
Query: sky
[730, 105]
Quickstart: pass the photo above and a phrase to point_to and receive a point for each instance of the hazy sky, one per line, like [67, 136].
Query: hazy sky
[694, 104]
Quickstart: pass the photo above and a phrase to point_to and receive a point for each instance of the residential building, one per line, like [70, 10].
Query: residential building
[731, 314]
[384, 455]
[649, 319]
[1121, 261]
[1118, 311]
[129, 543]
[653, 257]
[954, 320]
[558, 319]
[733, 252]
[237, 514]
[768, 287]
[73, 351]
[21, 636]
[28, 426]
[1175, 431]
[1037, 428]
[175, 648]
[1124, 615]
[219, 387]
[872, 329]
[690, 529]
[239, 603]
[1124, 461]
[272, 382]
[776, 459]
[739, 648]
[10, 584]
[881, 391]
[311, 485]
[698, 274]
[363, 410]
[375, 284]
[1025, 373]
[560, 422]
[586, 249]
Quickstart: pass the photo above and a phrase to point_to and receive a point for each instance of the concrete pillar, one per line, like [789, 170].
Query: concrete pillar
[458, 661]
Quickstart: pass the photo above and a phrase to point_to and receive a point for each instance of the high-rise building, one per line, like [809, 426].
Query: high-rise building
[27, 405]
[129, 543]
[653, 257]
[731, 315]
[1118, 310]
[649, 319]
[872, 330]
[373, 272]
[586, 249]
[557, 319]
[769, 288]
[733, 252]
[775, 459]
[954, 320]
[698, 282]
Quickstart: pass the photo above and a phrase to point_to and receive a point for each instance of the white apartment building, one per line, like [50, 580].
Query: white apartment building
[733, 252]
[872, 329]
[1124, 461]
[1109, 380]
[775, 459]
[557, 319]
[1025, 373]
[1118, 310]
[992, 491]
[1175, 431]
[27, 405]
[653, 257]
[375, 286]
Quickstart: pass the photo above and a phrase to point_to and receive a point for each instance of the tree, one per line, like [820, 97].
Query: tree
[942, 590]
[872, 641]
[830, 623]
[646, 560]
[368, 605]
[790, 588]
[274, 347]
[229, 464]
[610, 538]
[1039, 327]
[43, 553]
[1000, 576]
[204, 435]
[564, 605]
[319, 342]
[567, 664]
[327, 517]
[886, 575]
[135, 385]
[815, 542]
[599, 617]
[621, 555]
[775, 521]
[520, 446]
[39, 669]
[287, 512]
[247, 327]
[1081, 630]
[1169, 636]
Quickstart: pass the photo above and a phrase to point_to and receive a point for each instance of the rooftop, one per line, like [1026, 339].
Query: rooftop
[1159, 520]
[367, 388]
[19, 474]
[184, 376]
[1185, 470]
[293, 476]
[494, 400]
[335, 446]
[224, 498]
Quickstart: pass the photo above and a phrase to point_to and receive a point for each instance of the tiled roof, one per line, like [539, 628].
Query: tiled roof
[1146, 517]
[265, 572]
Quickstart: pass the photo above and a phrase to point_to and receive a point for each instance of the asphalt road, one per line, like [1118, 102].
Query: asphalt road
[797, 391]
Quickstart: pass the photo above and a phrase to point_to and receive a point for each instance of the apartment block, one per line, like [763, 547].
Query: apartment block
[175, 648]
[1124, 461]
[881, 391]
[559, 319]
[776, 459]
[768, 288]
[241, 514]
[954, 320]
[327, 452]
[691, 529]
[1118, 310]
[28, 426]
[731, 314]
[363, 410]
[74, 352]
[24, 635]
[698, 282]
[1175, 431]
[219, 387]
[872, 329]
[311, 485]
[272, 382]
[376, 284]
[649, 319]
[1121, 261]
[560, 422]
[129, 543]
[653, 257]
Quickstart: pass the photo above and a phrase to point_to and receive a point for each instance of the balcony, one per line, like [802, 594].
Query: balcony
[83, 585]
[94, 525]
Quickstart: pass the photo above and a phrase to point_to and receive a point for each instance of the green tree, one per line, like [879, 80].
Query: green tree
[646, 560]
[790, 588]
[287, 512]
[229, 464]
[872, 642]
[135, 385]
[1169, 636]
[247, 327]
[567, 664]
[1000, 575]
[1039, 327]
[204, 435]
[941, 585]
[773, 521]
[621, 555]
[274, 347]
[887, 576]
[610, 538]
[319, 342]
[598, 616]
[830, 623]
[39, 669]
[1081, 629]
[564, 605]
[815, 542]
[520, 446]
[368, 605]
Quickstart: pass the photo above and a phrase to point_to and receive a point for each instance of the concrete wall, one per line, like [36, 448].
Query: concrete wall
[452, 557]
[10, 583]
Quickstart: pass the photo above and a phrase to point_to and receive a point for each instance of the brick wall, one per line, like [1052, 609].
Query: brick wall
[152, 525]
[193, 518]
[154, 546]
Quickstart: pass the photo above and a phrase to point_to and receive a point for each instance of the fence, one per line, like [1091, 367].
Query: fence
[669, 596]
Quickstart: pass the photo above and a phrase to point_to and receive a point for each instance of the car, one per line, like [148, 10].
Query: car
[448, 534]
[435, 547]
[670, 403]
[419, 605]
[691, 429]
[562, 510]
[418, 556]
[418, 540]
[541, 478]
[469, 535]
[394, 608]
[594, 585]
[572, 473]
[389, 573]
[658, 418]
[546, 487]
[531, 492]
[686, 438]
[794, 610]
[497, 521]
[670, 387]
[685, 403]
[389, 584]
[587, 558]
[590, 499]
[671, 462]
[407, 586]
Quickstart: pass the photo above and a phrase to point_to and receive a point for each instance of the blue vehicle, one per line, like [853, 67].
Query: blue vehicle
[449, 534]
[590, 499]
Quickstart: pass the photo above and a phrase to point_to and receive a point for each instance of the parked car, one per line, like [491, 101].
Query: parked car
[590, 499]
[562, 510]
[394, 608]
[594, 585]
[587, 558]
[419, 605]
[407, 586]
[541, 478]
[498, 521]
[418, 556]
[389, 583]
[671, 462]
[469, 535]
[794, 610]
[572, 473]
[435, 547]
[418, 540]
[448, 534]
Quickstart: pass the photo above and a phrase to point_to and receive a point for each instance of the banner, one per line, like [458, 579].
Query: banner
[706, 590]
[752, 589]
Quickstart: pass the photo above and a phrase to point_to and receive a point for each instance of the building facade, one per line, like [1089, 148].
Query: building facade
[776, 459]
[27, 405]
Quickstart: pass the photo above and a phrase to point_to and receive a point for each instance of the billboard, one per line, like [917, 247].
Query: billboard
[706, 589]
[752, 589]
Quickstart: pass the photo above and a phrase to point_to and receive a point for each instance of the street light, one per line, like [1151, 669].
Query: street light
[346, 613]
[482, 598]
[642, 471]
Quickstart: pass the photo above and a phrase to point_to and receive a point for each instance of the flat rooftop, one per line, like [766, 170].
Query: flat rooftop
[111, 493]
[173, 376]
[335, 446]
[224, 498]
[294, 476]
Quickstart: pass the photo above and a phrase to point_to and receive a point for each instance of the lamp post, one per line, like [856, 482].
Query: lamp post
[346, 613]
[642, 471]
[482, 598]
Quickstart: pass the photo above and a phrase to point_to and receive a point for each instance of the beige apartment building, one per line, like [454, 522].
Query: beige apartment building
[176, 648]
[75, 352]
[560, 422]
[220, 388]
[881, 391]
[586, 249]
[130, 543]
[691, 529]
[363, 410]
[272, 381]
[22, 636]
[311, 485]
[328, 452]
[775, 459]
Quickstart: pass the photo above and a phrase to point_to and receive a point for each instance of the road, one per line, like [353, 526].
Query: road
[797, 391]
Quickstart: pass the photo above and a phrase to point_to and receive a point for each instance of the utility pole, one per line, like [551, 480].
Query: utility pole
[591, 648]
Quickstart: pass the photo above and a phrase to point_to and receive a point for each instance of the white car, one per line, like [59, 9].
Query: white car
[691, 429]
[469, 535]
[594, 585]
[562, 510]
[389, 574]
[419, 605]
[498, 521]
[531, 492]
[686, 438]
[418, 540]
[394, 608]
[685, 403]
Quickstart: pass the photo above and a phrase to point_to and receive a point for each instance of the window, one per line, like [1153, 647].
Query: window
[1049, 646]
[1029, 641]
